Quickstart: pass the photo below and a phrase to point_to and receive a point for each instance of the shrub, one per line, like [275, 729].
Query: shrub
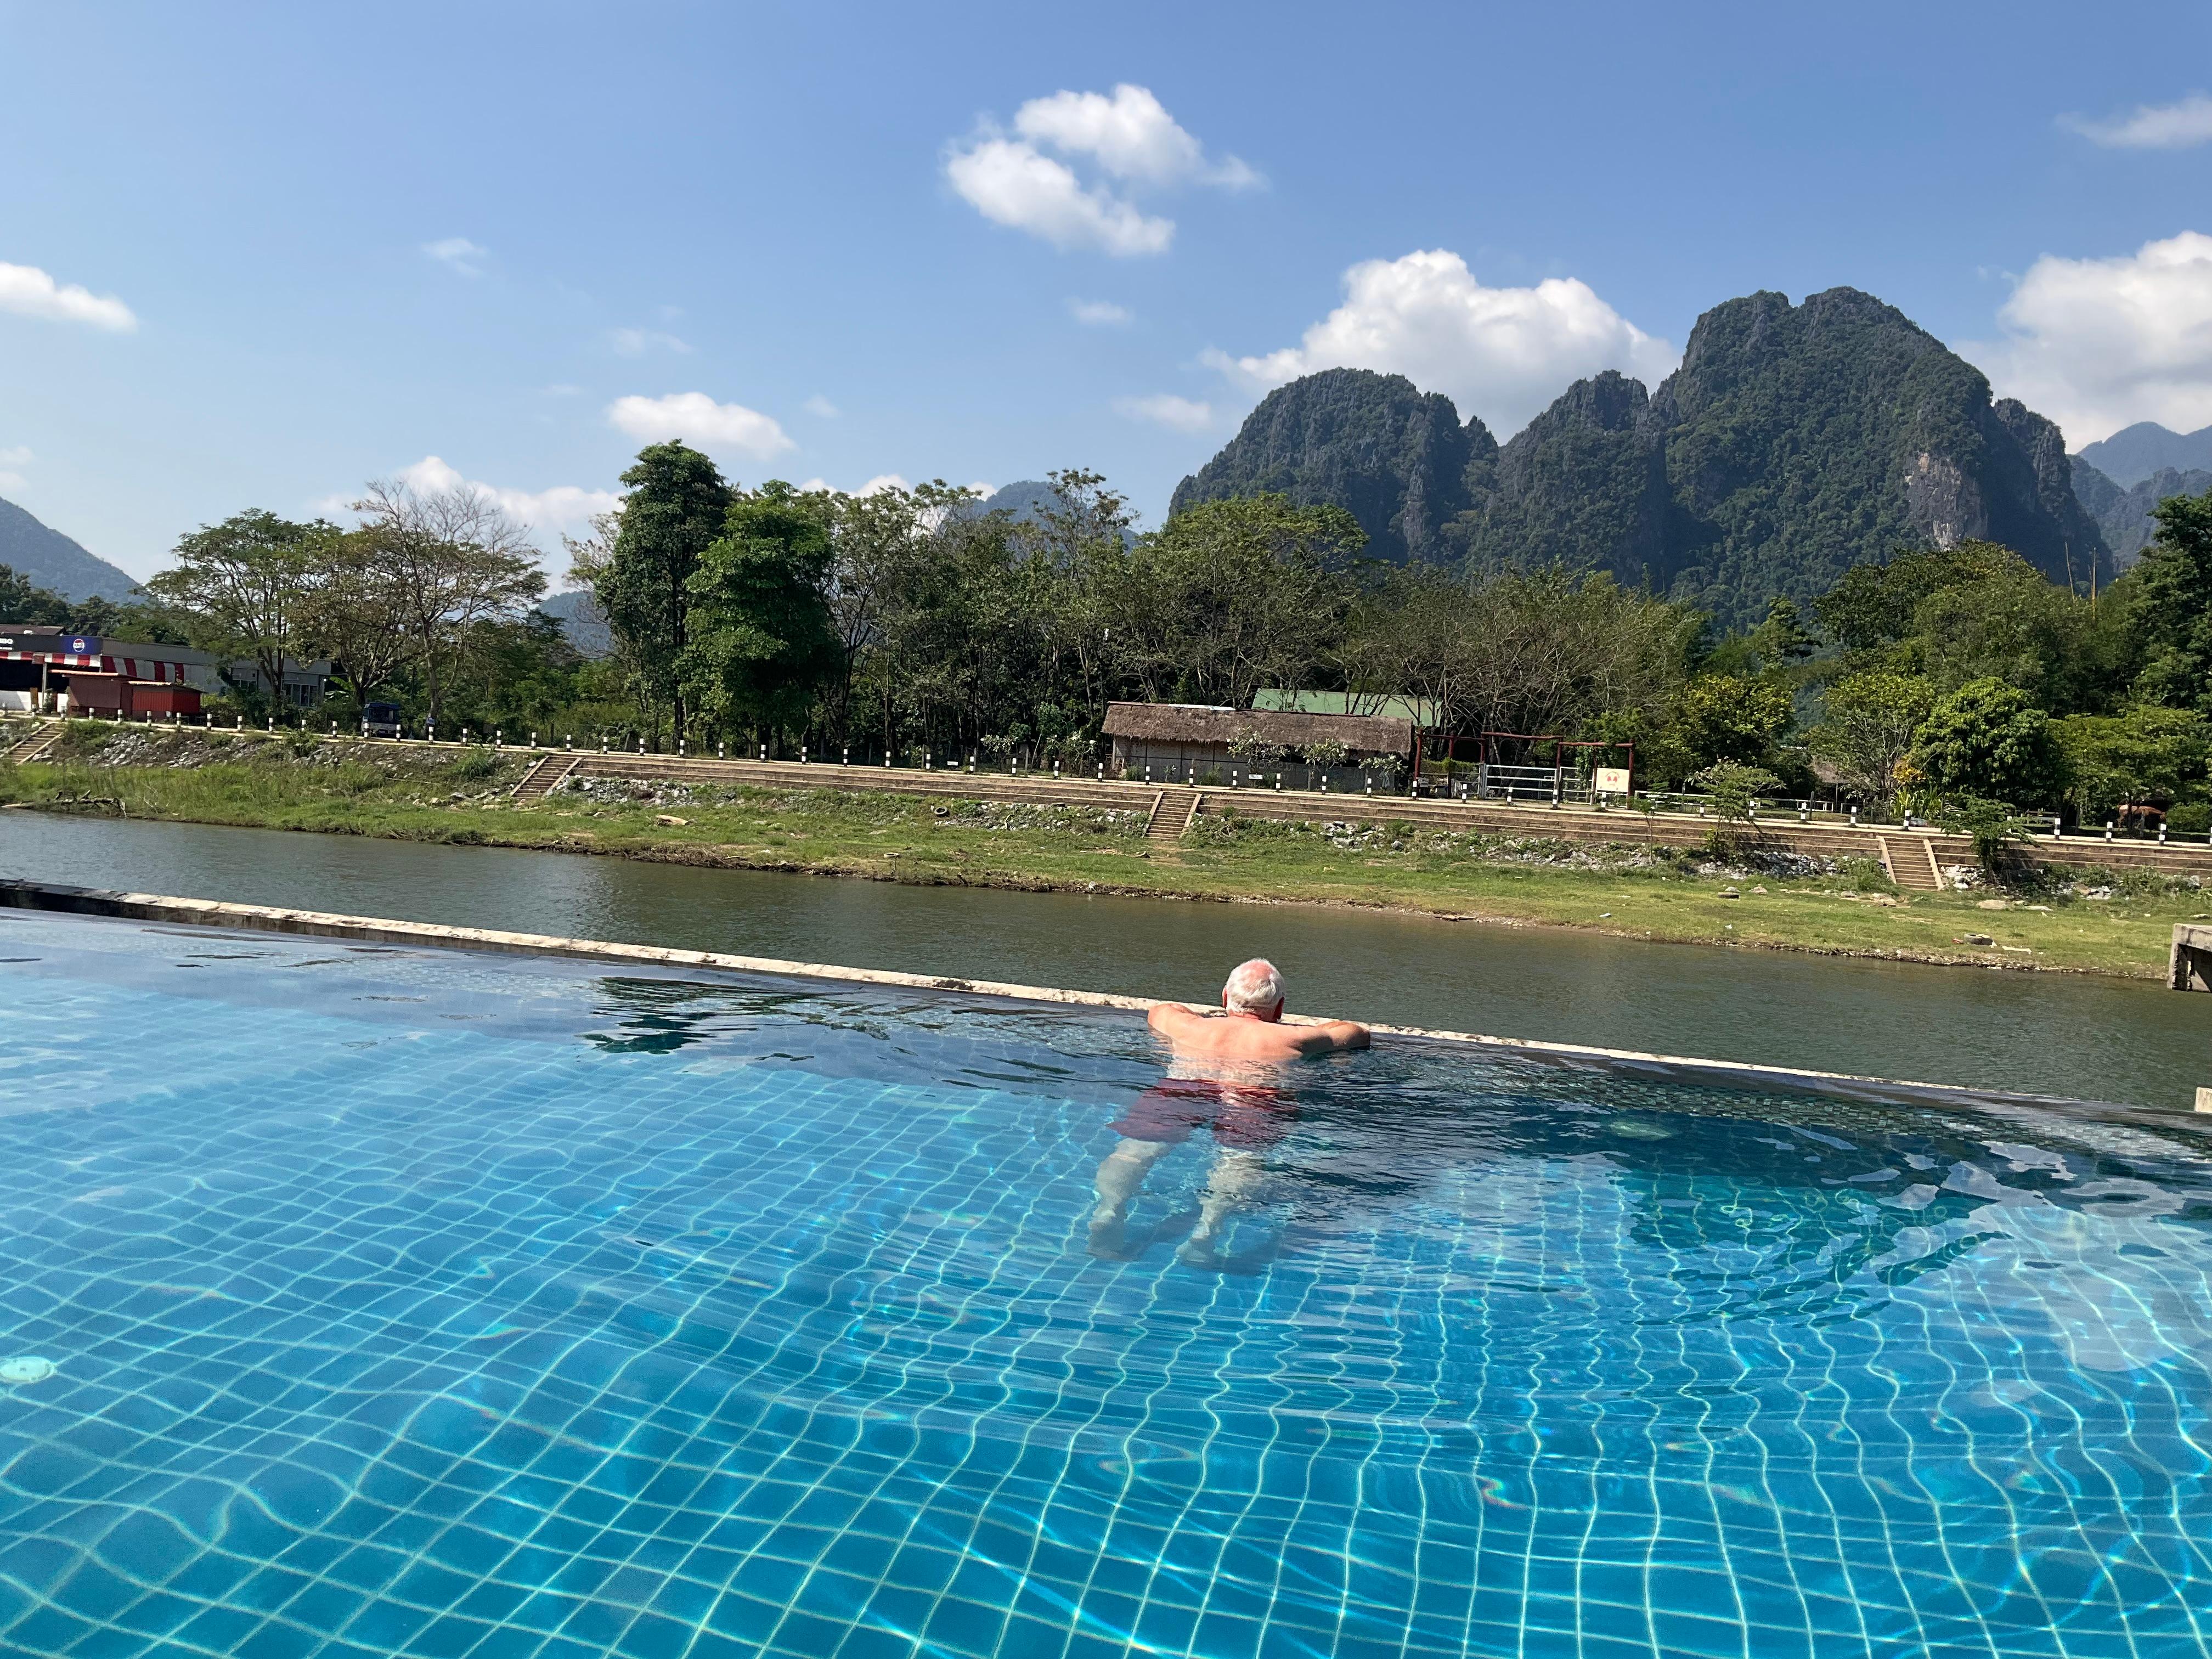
[1992, 826]
[1330, 751]
[1251, 749]
[1732, 788]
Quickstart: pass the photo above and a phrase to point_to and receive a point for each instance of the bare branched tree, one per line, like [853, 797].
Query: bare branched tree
[450, 559]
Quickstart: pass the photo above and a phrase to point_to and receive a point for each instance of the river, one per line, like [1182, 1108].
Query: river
[2069, 1035]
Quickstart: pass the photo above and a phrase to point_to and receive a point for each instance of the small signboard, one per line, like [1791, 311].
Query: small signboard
[81, 645]
[1610, 781]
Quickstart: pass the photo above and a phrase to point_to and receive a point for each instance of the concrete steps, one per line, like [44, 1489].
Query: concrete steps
[1174, 810]
[1911, 861]
[544, 777]
[33, 744]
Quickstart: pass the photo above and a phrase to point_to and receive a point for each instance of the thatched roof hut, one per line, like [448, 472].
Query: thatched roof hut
[1200, 729]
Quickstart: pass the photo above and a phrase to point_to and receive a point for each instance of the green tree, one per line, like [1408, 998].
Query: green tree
[2172, 614]
[676, 505]
[248, 582]
[1229, 596]
[2149, 756]
[21, 600]
[2012, 623]
[763, 641]
[354, 615]
[1988, 738]
[1874, 605]
[1725, 717]
[1868, 729]
[1782, 640]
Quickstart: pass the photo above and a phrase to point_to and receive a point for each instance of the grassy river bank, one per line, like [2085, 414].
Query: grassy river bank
[2087, 924]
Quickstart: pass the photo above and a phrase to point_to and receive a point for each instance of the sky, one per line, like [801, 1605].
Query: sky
[255, 256]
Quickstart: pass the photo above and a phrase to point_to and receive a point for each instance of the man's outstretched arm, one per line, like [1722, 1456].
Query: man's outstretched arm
[1335, 1036]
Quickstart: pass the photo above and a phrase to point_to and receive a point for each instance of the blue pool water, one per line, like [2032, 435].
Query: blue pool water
[401, 1302]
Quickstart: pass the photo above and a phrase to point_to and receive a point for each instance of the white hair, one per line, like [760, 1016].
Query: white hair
[1254, 987]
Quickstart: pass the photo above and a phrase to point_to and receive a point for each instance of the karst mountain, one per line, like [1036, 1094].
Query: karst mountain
[1794, 441]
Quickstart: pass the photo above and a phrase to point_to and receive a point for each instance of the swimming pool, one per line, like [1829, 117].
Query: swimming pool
[398, 1301]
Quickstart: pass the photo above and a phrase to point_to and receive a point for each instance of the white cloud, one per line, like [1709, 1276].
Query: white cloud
[549, 512]
[1129, 137]
[820, 407]
[1010, 184]
[459, 254]
[561, 389]
[2150, 126]
[2098, 344]
[875, 486]
[697, 419]
[984, 491]
[1501, 353]
[637, 342]
[1165, 409]
[1098, 314]
[9, 460]
[29, 292]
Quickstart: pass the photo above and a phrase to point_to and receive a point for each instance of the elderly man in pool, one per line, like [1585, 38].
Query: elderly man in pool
[1224, 1076]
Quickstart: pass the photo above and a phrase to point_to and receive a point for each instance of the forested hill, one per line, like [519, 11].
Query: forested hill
[1396, 457]
[1793, 442]
[51, 561]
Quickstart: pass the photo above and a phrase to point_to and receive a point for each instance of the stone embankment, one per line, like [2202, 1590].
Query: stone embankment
[1915, 858]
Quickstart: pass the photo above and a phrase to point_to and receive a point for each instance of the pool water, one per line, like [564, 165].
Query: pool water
[395, 1301]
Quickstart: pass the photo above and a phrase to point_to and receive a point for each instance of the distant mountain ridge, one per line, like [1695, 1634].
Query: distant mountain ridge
[577, 610]
[2123, 516]
[2132, 454]
[1794, 441]
[54, 561]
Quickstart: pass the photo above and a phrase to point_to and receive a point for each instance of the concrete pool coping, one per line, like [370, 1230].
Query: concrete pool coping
[17, 893]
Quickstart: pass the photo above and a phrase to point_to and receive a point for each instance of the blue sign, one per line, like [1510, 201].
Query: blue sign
[81, 645]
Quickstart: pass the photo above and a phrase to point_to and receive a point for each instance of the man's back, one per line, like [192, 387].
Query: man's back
[1247, 1039]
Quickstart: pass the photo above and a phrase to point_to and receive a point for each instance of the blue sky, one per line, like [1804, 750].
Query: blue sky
[254, 256]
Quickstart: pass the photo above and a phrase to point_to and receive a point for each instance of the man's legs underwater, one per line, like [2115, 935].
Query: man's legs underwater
[1119, 1176]
[1236, 1177]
